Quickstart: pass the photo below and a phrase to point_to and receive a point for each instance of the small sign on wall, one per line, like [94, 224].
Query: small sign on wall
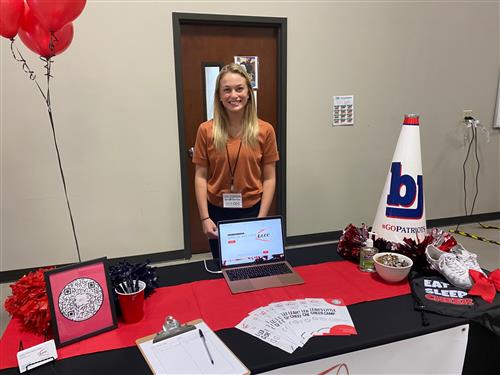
[251, 65]
[343, 110]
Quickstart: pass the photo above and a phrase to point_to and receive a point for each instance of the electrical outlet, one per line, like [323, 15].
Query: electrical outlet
[467, 113]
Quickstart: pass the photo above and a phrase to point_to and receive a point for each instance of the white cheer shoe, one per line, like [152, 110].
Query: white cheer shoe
[449, 266]
[467, 258]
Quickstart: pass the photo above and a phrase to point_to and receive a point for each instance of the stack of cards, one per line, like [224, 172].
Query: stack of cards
[289, 324]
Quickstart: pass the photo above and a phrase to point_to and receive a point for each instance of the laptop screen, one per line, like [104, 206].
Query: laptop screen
[251, 241]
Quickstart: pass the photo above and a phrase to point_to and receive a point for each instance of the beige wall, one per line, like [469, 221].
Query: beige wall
[114, 104]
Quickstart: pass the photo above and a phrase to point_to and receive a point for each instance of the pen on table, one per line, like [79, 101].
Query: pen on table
[202, 336]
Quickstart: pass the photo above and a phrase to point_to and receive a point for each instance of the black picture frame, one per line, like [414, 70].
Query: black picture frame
[85, 304]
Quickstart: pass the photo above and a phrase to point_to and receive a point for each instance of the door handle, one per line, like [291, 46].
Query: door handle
[190, 152]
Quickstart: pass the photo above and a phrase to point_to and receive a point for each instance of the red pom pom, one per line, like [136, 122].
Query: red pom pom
[29, 302]
[416, 251]
[448, 244]
[351, 242]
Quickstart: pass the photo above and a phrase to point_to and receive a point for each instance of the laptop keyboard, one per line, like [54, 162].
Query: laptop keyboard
[258, 271]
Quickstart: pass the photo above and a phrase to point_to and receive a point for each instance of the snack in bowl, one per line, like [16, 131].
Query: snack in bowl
[392, 267]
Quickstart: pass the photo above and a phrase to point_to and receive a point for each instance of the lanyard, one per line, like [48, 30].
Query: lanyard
[233, 170]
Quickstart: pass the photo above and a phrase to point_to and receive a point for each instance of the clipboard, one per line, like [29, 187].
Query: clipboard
[190, 352]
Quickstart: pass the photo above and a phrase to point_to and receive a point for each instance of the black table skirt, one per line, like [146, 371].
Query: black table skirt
[378, 322]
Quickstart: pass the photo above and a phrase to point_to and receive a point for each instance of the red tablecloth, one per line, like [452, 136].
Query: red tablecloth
[212, 301]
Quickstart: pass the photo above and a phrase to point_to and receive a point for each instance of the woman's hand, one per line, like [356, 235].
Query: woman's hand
[210, 229]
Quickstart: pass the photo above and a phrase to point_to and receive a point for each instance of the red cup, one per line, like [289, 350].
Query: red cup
[132, 304]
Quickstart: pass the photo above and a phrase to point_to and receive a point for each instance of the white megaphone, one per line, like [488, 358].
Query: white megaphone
[401, 210]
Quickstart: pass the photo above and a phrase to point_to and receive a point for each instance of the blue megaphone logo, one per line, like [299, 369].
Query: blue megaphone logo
[396, 200]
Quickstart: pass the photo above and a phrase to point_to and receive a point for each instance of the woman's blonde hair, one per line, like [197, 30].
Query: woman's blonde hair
[221, 120]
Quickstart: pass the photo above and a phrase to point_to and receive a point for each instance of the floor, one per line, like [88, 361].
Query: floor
[488, 256]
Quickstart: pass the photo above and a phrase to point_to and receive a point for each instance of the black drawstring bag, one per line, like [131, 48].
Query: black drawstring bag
[433, 293]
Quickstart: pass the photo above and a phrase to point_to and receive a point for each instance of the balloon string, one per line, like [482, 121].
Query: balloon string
[49, 109]
[48, 62]
[19, 57]
[25, 66]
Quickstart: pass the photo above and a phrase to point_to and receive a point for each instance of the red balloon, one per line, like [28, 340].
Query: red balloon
[11, 15]
[37, 39]
[54, 14]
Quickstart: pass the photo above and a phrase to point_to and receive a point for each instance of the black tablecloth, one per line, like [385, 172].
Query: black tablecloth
[378, 322]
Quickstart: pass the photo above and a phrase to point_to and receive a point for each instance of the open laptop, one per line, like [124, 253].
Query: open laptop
[252, 254]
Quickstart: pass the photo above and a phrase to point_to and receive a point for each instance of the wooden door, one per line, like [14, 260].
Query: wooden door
[205, 43]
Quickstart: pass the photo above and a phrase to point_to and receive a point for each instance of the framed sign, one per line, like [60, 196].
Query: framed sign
[251, 65]
[80, 301]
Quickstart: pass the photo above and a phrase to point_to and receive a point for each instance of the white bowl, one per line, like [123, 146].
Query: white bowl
[392, 274]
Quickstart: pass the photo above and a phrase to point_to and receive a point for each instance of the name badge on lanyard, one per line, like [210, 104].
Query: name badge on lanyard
[232, 200]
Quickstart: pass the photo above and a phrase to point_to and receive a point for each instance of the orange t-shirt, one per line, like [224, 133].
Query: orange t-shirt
[248, 170]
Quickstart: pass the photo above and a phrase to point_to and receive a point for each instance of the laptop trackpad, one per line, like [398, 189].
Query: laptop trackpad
[264, 282]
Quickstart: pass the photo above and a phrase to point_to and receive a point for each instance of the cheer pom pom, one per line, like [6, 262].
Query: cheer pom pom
[351, 242]
[30, 304]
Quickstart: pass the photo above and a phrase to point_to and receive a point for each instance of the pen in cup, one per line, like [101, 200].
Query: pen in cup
[202, 336]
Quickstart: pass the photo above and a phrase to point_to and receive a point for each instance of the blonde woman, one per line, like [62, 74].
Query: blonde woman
[235, 156]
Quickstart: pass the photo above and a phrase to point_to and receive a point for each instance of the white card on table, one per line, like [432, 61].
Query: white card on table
[37, 355]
